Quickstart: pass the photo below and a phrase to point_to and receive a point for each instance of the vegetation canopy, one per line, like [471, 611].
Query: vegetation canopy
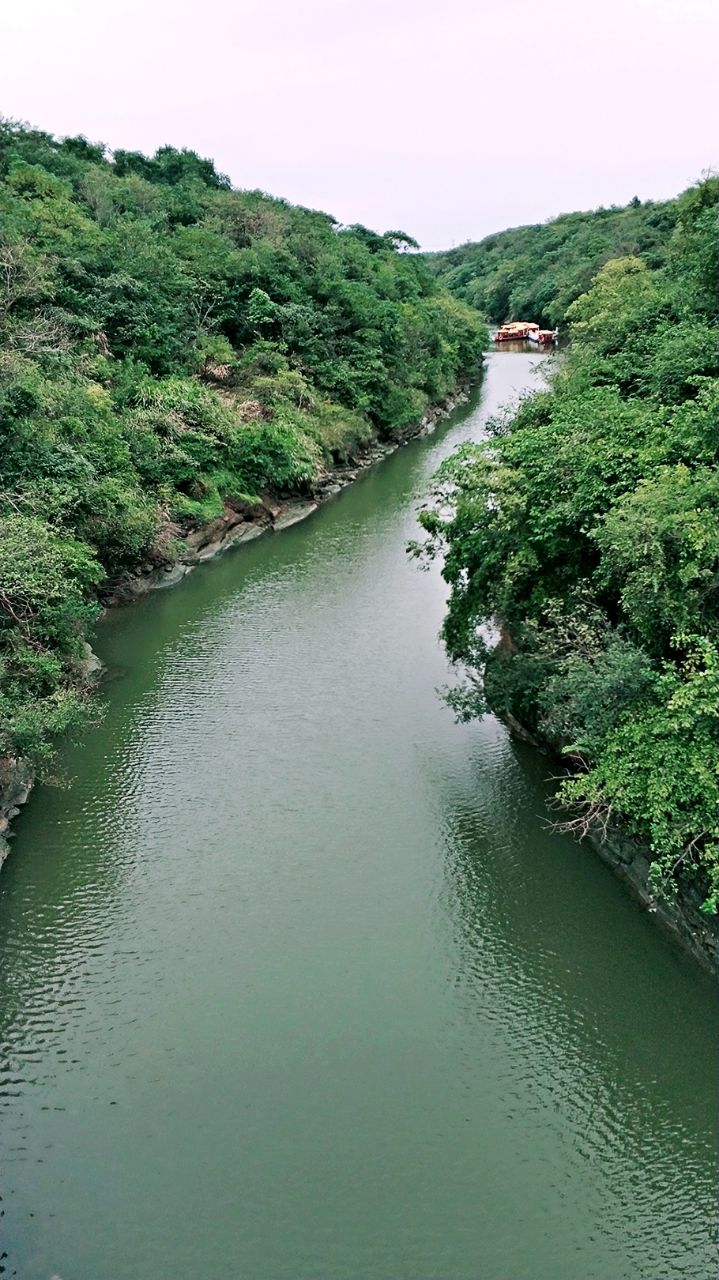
[167, 345]
[536, 272]
[587, 527]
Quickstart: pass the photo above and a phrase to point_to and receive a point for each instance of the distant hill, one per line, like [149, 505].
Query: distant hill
[536, 272]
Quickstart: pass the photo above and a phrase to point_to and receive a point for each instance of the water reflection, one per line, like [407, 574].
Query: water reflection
[294, 982]
[600, 1021]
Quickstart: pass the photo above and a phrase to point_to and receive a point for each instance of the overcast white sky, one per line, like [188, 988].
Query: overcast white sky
[448, 120]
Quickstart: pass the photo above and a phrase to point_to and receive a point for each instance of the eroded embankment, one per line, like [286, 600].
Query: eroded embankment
[240, 522]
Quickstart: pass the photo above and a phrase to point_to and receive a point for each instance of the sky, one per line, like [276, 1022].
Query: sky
[447, 120]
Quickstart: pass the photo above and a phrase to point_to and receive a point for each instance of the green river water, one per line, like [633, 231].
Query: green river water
[296, 983]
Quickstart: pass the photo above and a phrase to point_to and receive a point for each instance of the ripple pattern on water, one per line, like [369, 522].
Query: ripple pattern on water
[295, 981]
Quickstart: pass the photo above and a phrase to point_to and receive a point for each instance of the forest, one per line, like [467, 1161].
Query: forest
[585, 531]
[168, 345]
[536, 272]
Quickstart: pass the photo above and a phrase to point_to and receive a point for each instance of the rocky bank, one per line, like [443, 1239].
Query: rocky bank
[185, 548]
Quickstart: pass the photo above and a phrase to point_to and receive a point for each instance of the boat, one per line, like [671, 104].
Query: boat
[514, 331]
[526, 330]
[543, 337]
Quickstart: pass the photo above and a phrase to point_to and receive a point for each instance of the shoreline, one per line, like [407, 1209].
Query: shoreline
[679, 916]
[243, 522]
[239, 523]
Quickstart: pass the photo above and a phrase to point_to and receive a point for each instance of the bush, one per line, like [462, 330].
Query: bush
[587, 527]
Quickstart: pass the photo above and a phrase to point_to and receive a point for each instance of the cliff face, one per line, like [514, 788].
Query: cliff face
[15, 786]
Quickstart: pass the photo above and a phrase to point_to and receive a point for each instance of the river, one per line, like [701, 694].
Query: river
[296, 983]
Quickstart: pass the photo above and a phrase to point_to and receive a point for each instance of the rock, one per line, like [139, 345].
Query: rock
[16, 782]
[250, 411]
[90, 664]
[518, 730]
[246, 532]
[168, 576]
[292, 514]
[209, 550]
[211, 533]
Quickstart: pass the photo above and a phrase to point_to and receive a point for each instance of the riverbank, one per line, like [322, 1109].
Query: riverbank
[185, 365]
[288, 909]
[588, 525]
[242, 522]
[679, 915]
[239, 524]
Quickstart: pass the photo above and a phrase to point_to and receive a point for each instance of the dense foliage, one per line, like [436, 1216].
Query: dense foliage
[167, 344]
[536, 272]
[587, 528]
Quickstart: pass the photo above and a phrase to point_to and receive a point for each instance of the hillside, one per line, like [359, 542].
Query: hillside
[588, 528]
[167, 345]
[536, 272]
